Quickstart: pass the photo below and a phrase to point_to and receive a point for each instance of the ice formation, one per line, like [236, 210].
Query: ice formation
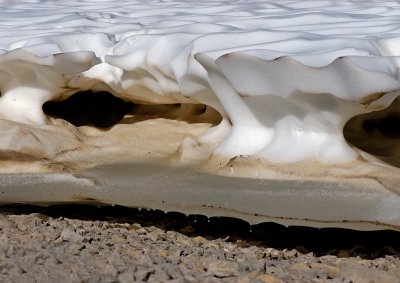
[288, 105]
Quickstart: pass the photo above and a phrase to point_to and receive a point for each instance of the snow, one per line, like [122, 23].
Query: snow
[285, 77]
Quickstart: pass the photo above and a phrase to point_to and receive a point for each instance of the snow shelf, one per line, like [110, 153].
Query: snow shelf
[284, 111]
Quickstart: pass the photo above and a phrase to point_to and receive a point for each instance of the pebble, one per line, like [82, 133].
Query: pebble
[329, 270]
[265, 278]
[289, 253]
[5, 222]
[221, 268]
[70, 235]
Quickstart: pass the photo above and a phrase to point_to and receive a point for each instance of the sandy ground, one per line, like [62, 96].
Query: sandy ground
[73, 243]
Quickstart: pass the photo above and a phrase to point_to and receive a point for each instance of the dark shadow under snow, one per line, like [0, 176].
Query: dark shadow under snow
[327, 241]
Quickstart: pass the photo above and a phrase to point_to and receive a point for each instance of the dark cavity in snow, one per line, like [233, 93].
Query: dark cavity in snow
[100, 109]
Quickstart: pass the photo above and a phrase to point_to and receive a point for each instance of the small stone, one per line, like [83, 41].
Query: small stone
[68, 234]
[328, 257]
[158, 276]
[143, 273]
[221, 268]
[141, 231]
[248, 277]
[154, 236]
[300, 267]
[211, 245]
[331, 271]
[265, 278]
[275, 254]
[199, 240]
[289, 254]
[126, 277]
[22, 226]
[174, 272]
[260, 255]
[174, 255]
[4, 243]
[268, 252]
[5, 222]
[161, 253]
[135, 227]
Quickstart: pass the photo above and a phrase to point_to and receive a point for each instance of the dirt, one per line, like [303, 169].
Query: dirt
[78, 243]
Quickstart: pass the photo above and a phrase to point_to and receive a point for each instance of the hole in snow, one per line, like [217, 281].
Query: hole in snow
[377, 133]
[103, 110]
[100, 109]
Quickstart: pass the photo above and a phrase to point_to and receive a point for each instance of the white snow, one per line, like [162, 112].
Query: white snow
[287, 74]
[285, 77]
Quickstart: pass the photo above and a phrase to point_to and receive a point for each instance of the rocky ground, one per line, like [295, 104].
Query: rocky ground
[114, 244]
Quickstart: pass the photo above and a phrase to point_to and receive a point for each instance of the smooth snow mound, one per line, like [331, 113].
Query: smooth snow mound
[285, 75]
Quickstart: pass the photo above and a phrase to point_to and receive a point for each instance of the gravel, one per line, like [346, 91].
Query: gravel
[78, 243]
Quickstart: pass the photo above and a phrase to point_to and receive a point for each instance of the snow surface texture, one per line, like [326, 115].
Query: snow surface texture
[254, 89]
[287, 74]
